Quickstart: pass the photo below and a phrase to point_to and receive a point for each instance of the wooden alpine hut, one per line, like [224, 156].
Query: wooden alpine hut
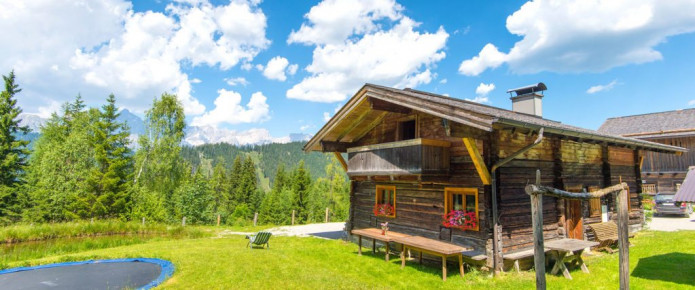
[414, 157]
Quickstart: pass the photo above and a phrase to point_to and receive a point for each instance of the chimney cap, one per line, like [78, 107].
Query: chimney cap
[539, 87]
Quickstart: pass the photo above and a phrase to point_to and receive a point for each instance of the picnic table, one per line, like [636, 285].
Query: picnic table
[432, 247]
[375, 234]
[570, 251]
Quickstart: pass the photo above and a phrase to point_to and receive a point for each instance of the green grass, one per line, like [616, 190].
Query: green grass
[658, 260]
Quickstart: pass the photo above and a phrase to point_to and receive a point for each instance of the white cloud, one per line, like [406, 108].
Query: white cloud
[484, 89]
[236, 81]
[363, 41]
[196, 81]
[305, 127]
[102, 47]
[326, 116]
[276, 67]
[46, 111]
[481, 93]
[228, 110]
[443, 81]
[691, 103]
[602, 88]
[580, 36]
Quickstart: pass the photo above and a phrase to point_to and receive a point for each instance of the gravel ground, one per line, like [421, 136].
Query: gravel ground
[672, 223]
[325, 230]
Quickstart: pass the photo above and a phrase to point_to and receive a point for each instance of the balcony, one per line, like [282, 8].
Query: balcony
[409, 157]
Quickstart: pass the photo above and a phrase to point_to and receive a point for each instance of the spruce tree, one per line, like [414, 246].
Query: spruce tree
[13, 152]
[301, 183]
[109, 179]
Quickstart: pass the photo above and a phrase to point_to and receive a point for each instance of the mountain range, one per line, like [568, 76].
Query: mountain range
[195, 135]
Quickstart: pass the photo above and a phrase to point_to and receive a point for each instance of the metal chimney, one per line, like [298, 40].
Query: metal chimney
[528, 99]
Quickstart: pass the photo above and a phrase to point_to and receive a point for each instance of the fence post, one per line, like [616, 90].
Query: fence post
[255, 218]
[143, 221]
[218, 220]
[538, 245]
[326, 214]
[623, 244]
[292, 217]
[183, 222]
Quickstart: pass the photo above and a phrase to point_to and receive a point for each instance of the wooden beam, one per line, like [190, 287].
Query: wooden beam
[532, 189]
[354, 125]
[478, 161]
[369, 127]
[341, 159]
[328, 146]
[380, 105]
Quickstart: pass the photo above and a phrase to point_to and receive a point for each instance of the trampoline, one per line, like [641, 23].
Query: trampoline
[139, 273]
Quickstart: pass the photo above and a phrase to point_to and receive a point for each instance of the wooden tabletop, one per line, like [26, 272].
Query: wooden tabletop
[569, 245]
[375, 233]
[431, 245]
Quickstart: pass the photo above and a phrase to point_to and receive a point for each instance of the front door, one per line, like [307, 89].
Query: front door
[573, 224]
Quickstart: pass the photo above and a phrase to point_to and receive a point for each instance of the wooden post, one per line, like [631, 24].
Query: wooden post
[143, 221]
[292, 217]
[218, 220]
[538, 247]
[183, 222]
[326, 214]
[255, 218]
[623, 244]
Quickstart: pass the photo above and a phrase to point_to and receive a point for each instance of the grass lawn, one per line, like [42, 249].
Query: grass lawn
[658, 260]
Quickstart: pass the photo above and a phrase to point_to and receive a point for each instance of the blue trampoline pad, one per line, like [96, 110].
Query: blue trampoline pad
[100, 274]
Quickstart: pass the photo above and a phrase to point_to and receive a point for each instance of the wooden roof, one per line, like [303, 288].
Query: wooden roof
[677, 123]
[367, 108]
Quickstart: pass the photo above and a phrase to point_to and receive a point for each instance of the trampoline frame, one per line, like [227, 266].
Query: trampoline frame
[167, 267]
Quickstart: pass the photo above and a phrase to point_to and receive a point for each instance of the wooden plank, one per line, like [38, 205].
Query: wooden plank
[478, 161]
[369, 127]
[404, 143]
[380, 105]
[354, 125]
[329, 146]
[341, 160]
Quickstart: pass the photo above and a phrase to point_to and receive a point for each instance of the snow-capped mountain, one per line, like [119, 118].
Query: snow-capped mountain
[33, 121]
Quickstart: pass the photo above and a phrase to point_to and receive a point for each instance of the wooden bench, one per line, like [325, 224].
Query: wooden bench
[432, 247]
[606, 234]
[474, 255]
[518, 255]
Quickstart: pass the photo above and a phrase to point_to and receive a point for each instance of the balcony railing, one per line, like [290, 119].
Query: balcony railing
[409, 157]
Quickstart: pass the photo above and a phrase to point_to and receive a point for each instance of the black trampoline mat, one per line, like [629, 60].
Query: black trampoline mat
[111, 275]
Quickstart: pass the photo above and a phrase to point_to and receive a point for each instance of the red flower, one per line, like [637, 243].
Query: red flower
[460, 219]
[383, 209]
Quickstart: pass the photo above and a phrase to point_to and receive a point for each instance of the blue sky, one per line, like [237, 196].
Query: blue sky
[271, 68]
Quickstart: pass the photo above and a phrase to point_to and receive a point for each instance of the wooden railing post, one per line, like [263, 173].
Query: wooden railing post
[183, 222]
[623, 244]
[218, 220]
[292, 217]
[326, 215]
[538, 246]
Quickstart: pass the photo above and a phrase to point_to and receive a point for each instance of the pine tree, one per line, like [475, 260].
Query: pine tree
[220, 190]
[280, 178]
[235, 182]
[301, 182]
[13, 152]
[109, 179]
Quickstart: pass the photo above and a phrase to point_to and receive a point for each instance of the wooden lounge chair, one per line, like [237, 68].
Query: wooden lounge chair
[606, 234]
[259, 239]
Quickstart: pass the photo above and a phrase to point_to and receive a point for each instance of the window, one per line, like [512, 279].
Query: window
[594, 203]
[407, 128]
[385, 201]
[462, 199]
[649, 188]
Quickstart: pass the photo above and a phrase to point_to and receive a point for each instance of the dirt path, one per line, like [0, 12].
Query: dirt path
[323, 230]
[672, 223]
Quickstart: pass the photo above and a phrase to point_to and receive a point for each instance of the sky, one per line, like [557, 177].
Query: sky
[265, 69]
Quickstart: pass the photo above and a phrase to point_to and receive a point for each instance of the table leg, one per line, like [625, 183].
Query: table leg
[461, 265]
[387, 251]
[561, 265]
[443, 268]
[359, 245]
[403, 257]
[558, 261]
[581, 262]
[420, 259]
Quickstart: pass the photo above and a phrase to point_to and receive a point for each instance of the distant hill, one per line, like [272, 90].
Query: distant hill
[267, 157]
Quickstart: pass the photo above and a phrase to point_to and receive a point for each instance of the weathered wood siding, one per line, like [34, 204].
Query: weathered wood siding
[415, 159]
[670, 163]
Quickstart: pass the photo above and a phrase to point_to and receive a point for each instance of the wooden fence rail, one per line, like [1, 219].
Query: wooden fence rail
[536, 191]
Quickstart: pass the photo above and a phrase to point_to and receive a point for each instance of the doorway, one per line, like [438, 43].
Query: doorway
[574, 222]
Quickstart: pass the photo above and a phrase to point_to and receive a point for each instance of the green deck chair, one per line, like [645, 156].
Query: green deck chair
[259, 239]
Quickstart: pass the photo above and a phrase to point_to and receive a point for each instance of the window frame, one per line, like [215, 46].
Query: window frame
[380, 189]
[465, 191]
[400, 121]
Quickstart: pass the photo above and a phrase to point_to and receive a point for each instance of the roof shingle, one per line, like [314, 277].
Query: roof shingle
[662, 124]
